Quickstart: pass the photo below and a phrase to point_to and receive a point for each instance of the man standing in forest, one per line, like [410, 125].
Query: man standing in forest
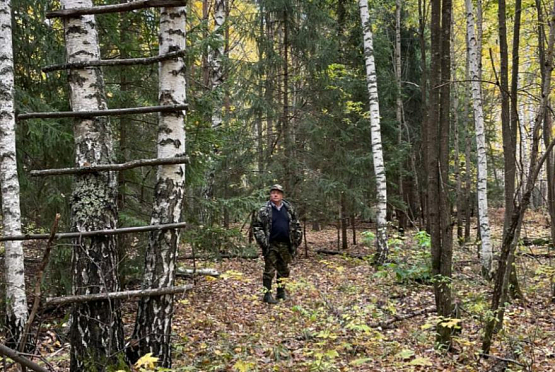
[278, 233]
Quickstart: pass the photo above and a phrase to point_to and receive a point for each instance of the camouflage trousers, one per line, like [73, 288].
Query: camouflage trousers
[277, 259]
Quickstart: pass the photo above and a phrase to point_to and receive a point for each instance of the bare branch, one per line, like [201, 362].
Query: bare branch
[117, 8]
[10, 353]
[124, 230]
[114, 62]
[38, 283]
[110, 167]
[111, 112]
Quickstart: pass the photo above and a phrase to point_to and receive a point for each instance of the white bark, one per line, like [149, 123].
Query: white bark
[377, 154]
[215, 62]
[486, 253]
[16, 302]
[154, 317]
[97, 330]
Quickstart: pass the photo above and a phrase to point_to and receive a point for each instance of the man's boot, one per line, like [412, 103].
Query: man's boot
[281, 295]
[268, 298]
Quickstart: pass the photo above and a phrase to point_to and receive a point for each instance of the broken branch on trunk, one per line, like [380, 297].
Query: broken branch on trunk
[110, 167]
[124, 230]
[10, 353]
[116, 8]
[114, 62]
[110, 112]
[124, 295]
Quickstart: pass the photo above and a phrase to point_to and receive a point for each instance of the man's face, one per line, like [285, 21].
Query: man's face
[276, 197]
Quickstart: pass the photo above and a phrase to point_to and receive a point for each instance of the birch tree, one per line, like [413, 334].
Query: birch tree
[379, 168]
[486, 253]
[16, 301]
[215, 62]
[154, 317]
[96, 328]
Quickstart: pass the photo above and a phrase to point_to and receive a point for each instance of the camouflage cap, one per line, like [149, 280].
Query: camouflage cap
[277, 187]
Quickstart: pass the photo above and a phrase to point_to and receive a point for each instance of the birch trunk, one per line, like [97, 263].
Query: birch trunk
[16, 302]
[215, 62]
[379, 168]
[486, 252]
[154, 317]
[96, 330]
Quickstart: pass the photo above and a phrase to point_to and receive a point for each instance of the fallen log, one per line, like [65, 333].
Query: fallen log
[189, 273]
[535, 241]
[124, 295]
[342, 253]
[536, 255]
[223, 255]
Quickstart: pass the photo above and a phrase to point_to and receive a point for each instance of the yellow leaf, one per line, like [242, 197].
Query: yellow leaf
[146, 361]
[242, 366]
[421, 362]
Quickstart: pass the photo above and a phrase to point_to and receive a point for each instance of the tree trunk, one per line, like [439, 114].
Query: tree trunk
[468, 184]
[515, 291]
[16, 301]
[513, 226]
[547, 127]
[459, 200]
[285, 121]
[344, 222]
[215, 56]
[401, 214]
[486, 252]
[96, 329]
[445, 250]
[438, 164]
[424, 91]
[354, 228]
[377, 154]
[154, 317]
[507, 130]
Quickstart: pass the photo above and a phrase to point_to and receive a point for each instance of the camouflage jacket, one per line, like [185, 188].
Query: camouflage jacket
[262, 225]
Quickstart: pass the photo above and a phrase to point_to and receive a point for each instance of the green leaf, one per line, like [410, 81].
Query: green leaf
[424, 362]
[405, 354]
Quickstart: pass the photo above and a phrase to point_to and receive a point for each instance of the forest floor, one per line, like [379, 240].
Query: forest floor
[345, 315]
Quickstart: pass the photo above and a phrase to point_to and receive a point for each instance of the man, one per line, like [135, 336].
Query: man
[278, 233]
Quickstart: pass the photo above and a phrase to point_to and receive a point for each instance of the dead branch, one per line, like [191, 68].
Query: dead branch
[117, 8]
[10, 353]
[38, 284]
[111, 167]
[110, 112]
[114, 62]
[124, 230]
[124, 295]
[507, 360]
[397, 318]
